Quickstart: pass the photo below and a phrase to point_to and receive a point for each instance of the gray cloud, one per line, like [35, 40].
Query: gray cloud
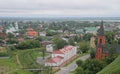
[60, 7]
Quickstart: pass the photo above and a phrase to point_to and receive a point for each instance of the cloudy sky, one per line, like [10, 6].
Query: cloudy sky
[60, 8]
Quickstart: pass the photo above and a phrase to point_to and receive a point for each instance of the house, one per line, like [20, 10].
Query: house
[42, 33]
[49, 48]
[2, 34]
[92, 30]
[45, 43]
[12, 28]
[20, 38]
[61, 56]
[80, 31]
[92, 42]
[40, 27]
[60, 31]
[117, 35]
[31, 33]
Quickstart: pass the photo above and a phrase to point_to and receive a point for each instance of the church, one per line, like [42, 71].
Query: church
[101, 42]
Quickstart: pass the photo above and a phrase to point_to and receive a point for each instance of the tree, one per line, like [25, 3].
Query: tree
[110, 37]
[39, 38]
[50, 33]
[84, 46]
[10, 35]
[87, 36]
[92, 53]
[12, 41]
[77, 39]
[92, 66]
[28, 44]
[71, 42]
[79, 63]
[59, 43]
[109, 59]
[118, 41]
[79, 70]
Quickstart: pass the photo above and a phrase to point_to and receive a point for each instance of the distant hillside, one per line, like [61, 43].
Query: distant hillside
[113, 68]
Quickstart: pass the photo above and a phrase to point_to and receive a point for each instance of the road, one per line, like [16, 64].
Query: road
[72, 66]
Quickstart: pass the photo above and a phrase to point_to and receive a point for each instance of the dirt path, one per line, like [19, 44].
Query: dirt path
[18, 61]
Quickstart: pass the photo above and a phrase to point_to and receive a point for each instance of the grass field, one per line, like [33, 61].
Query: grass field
[10, 66]
[26, 58]
[113, 68]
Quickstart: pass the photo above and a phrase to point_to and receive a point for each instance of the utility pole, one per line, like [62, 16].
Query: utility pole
[43, 51]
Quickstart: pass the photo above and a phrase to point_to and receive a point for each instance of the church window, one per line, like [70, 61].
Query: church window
[100, 41]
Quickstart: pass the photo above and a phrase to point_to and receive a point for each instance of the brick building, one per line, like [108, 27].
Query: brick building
[101, 48]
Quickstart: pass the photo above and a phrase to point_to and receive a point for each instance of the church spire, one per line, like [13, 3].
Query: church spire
[101, 30]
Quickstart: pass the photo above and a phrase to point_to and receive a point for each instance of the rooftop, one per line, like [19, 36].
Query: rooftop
[55, 59]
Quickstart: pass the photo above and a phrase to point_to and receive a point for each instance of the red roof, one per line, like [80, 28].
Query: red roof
[46, 43]
[55, 59]
[57, 52]
[67, 49]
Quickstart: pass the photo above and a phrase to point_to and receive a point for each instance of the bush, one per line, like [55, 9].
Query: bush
[90, 66]
[92, 53]
[79, 63]
[3, 54]
[84, 46]
[28, 44]
[79, 70]
[12, 41]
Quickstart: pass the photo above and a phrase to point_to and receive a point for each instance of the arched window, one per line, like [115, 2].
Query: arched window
[100, 41]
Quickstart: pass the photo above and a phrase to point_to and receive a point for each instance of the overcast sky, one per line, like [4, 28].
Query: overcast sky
[60, 8]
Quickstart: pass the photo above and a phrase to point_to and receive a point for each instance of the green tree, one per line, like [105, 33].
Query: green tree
[59, 43]
[87, 36]
[92, 66]
[40, 38]
[118, 41]
[28, 44]
[92, 52]
[50, 33]
[71, 42]
[77, 39]
[79, 63]
[12, 41]
[79, 70]
[84, 46]
[10, 35]
[110, 37]
[109, 59]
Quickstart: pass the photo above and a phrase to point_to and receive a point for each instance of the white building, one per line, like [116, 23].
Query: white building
[12, 29]
[42, 33]
[61, 56]
[49, 48]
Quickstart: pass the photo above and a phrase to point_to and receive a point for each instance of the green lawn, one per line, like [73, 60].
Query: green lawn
[11, 67]
[27, 59]
[113, 68]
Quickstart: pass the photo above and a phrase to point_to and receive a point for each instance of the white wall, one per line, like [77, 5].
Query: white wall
[66, 56]
[49, 48]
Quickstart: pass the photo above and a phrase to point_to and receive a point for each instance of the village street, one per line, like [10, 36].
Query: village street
[72, 66]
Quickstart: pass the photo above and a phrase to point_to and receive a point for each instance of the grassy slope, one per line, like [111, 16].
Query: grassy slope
[10, 66]
[26, 57]
[113, 68]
